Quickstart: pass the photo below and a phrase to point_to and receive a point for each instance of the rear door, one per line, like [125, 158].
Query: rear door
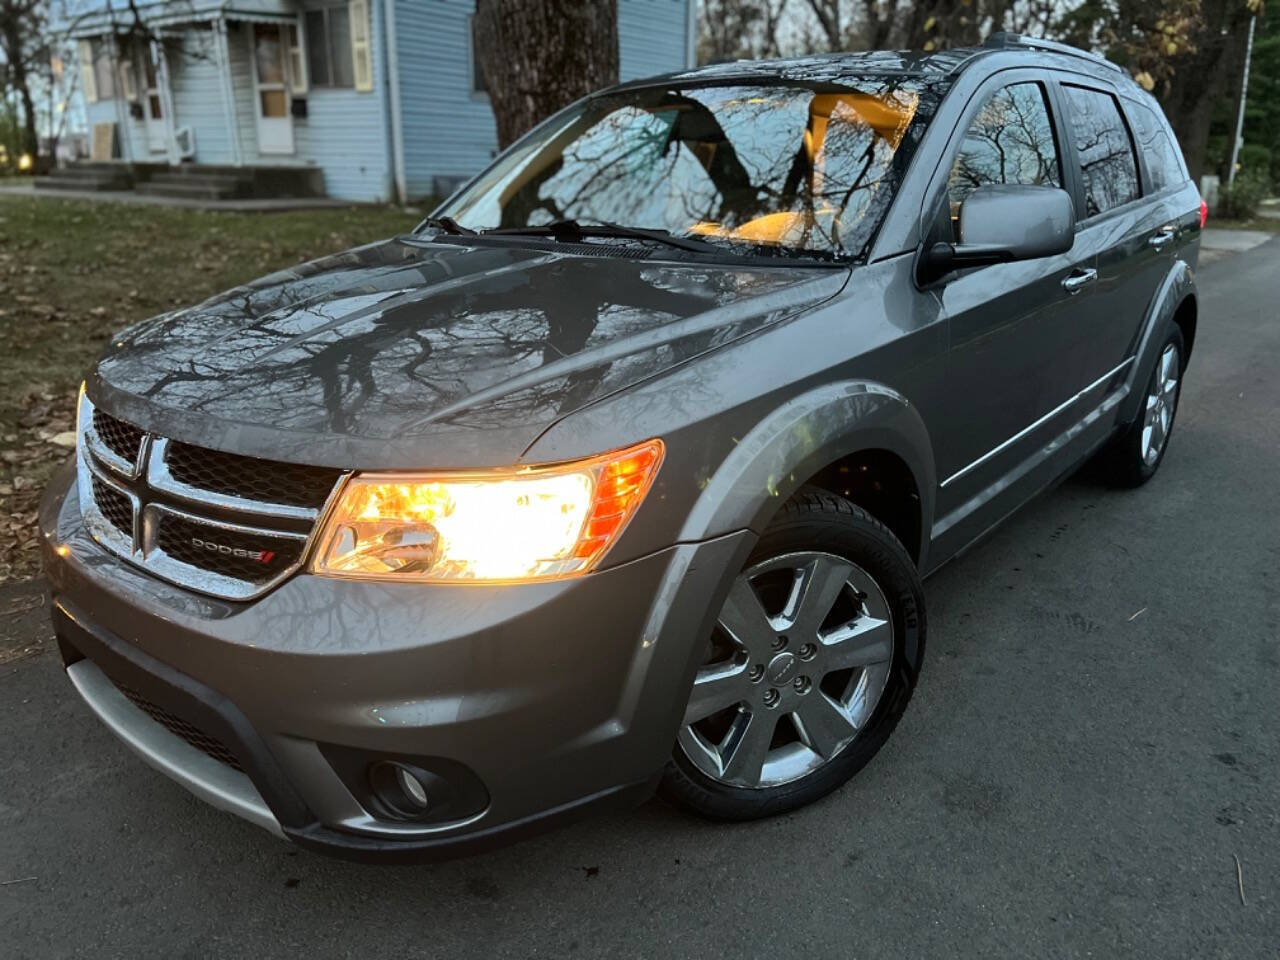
[1165, 178]
[1130, 236]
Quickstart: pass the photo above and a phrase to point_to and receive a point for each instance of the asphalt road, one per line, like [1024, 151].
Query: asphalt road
[1095, 736]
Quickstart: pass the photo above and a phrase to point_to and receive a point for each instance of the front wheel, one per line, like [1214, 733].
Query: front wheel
[813, 658]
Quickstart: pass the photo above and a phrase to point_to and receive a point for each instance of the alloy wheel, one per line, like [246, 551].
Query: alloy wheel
[1162, 402]
[797, 664]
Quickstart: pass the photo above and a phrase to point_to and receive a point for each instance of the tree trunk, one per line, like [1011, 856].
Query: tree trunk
[537, 56]
[15, 52]
[827, 13]
[31, 140]
[1201, 78]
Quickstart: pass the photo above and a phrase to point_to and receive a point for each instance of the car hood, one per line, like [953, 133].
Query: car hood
[409, 353]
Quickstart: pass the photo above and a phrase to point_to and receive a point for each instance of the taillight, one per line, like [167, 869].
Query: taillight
[1204, 213]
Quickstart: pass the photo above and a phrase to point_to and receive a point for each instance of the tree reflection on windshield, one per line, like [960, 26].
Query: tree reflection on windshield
[787, 167]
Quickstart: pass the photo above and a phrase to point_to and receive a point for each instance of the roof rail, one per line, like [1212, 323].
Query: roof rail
[1015, 41]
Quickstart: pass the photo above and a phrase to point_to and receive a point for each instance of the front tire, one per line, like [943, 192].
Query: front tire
[813, 659]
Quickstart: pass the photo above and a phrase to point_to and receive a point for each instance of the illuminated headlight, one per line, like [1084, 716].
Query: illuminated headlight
[529, 524]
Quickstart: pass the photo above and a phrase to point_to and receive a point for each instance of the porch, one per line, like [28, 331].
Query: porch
[224, 96]
[191, 181]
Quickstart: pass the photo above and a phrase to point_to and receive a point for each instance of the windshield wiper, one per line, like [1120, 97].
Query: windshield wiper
[447, 225]
[571, 230]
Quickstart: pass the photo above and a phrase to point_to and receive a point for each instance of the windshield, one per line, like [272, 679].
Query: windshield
[788, 169]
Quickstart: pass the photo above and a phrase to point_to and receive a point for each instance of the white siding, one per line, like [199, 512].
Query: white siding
[239, 53]
[448, 131]
[197, 95]
[346, 133]
[652, 37]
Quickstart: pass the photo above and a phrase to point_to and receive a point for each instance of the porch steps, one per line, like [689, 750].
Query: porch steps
[88, 176]
[218, 182]
[212, 186]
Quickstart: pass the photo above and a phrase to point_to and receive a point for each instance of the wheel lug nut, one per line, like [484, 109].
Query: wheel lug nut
[802, 685]
[779, 642]
[808, 651]
[771, 697]
[756, 673]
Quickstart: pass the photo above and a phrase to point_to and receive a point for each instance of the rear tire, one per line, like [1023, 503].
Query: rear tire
[1136, 454]
[793, 701]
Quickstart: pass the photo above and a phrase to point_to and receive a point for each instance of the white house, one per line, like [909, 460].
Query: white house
[382, 98]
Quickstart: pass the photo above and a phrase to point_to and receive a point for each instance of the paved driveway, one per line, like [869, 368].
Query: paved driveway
[1097, 733]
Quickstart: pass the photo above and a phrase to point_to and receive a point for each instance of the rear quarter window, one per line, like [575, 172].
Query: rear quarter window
[1165, 164]
[1108, 164]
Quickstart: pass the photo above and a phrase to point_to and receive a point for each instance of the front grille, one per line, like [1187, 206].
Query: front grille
[181, 728]
[255, 558]
[222, 524]
[122, 439]
[114, 506]
[249, 478]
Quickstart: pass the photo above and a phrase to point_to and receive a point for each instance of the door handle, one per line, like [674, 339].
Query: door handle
[1160, 239]
[1078, 280]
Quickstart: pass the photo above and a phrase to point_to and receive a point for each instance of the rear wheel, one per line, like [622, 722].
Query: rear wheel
[1136, 454]
[812, 661]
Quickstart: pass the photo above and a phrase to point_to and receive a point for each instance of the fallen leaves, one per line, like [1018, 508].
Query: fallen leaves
[44, 438]
[71, 272]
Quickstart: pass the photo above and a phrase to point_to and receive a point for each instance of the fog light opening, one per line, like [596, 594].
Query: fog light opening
[405, 791]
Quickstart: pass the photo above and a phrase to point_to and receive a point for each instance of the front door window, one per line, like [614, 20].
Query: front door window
[275, 124]
[1010, 141]
[157, 141]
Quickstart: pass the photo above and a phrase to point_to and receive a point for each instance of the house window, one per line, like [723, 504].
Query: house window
[329, 60]
[129, 79]
[96, 77]
[104, 74]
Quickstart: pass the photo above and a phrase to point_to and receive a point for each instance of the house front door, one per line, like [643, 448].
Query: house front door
[153, 107]
[275, 122]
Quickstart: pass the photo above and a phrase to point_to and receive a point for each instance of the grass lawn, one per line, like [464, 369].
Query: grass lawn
[74, 272]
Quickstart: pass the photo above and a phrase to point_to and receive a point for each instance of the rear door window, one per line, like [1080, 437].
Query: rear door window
[1108, 165]
[1164, 159]
[1010, 141]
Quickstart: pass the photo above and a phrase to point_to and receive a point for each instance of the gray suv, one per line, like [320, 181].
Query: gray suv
[623, 470]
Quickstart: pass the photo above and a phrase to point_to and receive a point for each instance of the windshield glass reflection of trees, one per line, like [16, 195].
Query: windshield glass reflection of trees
[783, 167]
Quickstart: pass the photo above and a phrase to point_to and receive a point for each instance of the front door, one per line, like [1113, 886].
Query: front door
[153, 107]
[1013, 326]
[275, 123]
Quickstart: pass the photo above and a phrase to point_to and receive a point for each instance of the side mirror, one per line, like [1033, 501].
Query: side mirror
[1007, 222]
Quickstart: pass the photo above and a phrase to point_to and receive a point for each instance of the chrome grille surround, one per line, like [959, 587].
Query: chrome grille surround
[156, 499]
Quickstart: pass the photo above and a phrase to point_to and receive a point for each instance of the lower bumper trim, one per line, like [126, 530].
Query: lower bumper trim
[365, 849]
[215, 783]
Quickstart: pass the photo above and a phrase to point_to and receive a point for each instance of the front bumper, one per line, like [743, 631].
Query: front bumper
[557, 697]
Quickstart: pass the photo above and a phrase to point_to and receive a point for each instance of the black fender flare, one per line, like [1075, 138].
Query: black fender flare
[798, 439]
[1174, 290]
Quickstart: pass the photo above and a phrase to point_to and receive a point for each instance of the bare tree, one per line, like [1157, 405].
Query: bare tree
[830, 17]
[741, 29]
[24, 49]
[537, 56]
